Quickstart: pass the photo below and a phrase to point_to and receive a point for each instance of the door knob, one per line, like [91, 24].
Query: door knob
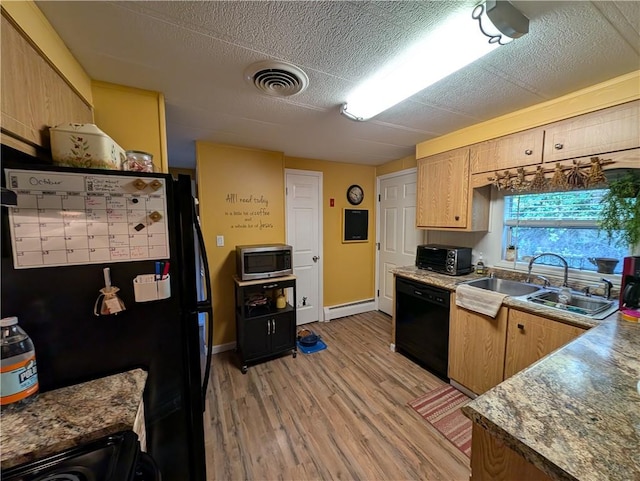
[315, 258]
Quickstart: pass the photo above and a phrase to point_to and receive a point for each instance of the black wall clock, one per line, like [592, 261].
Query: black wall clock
[355, 194]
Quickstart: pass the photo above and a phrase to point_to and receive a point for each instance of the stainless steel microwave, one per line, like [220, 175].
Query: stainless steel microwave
[262, 261]
[444, 259]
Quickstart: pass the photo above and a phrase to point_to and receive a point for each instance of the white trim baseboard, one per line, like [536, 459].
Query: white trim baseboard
[224, 347]
[342, 310]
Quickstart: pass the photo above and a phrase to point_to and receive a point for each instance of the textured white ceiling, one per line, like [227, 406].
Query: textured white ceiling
[196, 52]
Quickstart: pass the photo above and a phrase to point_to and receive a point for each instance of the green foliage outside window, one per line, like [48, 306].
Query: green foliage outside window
[565, 223]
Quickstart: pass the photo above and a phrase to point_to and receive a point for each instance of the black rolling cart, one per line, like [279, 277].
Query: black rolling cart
[263, 330]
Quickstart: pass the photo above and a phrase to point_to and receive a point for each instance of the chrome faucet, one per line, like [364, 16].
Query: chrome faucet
[564, 262]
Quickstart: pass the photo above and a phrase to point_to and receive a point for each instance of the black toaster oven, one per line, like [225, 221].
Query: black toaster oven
[444, 259]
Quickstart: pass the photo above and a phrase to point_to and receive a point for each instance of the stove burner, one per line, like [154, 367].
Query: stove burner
[113, 458]
[75, 473]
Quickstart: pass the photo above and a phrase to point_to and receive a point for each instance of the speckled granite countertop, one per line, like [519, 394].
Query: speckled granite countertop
[574, 414]
[67, 417]
[450, 282]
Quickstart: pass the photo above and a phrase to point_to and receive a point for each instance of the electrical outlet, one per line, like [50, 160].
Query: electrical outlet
[220, 241]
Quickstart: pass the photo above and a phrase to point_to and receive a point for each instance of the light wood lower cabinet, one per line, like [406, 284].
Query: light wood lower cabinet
[531, 337]
[492, 460]
[476, 348]
[484, 351]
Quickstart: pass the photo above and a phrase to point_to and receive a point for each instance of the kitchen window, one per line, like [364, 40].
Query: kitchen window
[565, 223]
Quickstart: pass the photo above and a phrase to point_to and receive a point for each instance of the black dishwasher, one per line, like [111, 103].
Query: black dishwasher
[422, 325]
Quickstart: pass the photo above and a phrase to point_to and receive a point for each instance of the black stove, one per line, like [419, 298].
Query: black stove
[113, 458]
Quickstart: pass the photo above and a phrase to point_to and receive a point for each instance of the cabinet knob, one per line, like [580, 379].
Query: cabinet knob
[528, 152]
[521, 326]
[558, 146]
[457, 217]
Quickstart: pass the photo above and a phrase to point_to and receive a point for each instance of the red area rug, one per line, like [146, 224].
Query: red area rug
[441, 408]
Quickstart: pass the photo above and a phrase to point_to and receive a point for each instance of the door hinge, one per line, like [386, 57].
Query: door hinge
[379, 197]
[286, 191]
[378, 292]
[378, 245]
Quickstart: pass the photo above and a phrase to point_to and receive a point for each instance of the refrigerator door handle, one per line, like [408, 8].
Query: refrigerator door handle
[205, 306]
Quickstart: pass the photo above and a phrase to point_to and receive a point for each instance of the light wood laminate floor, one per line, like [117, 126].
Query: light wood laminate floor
[337, 414]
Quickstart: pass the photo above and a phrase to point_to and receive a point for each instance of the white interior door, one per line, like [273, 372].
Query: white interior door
[397, 233]
[304, 235]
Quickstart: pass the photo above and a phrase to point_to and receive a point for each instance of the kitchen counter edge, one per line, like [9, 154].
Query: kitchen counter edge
[451, 282]
[71, 416]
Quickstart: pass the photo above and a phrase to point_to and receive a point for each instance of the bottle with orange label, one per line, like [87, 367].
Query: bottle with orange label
[18, 370]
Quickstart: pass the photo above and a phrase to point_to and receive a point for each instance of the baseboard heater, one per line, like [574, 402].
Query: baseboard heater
[349, 309]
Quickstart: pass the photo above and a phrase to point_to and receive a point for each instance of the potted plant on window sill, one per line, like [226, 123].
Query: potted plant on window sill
[621, 209]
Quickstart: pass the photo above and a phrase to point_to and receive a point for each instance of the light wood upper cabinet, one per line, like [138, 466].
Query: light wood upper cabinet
[34, 96]
[531, 337]
[508, 152]
[608, 130]
[476, 348]
[445, 199]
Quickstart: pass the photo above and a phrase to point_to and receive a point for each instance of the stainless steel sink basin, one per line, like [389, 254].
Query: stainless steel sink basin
[504, 286]
[579, 303]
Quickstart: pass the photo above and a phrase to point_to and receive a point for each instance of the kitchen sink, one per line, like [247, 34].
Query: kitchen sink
[504, 286]
[594, 307]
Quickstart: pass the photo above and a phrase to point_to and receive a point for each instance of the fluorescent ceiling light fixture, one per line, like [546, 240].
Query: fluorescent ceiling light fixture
[451, 46]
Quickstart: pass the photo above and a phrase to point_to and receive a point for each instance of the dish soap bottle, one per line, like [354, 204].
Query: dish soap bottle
[18, 370]
[480, 268]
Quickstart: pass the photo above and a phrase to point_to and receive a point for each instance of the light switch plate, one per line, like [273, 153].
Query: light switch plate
[220, 241]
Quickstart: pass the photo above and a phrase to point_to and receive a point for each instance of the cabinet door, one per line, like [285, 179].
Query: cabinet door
[34, 95]
[283, 333]
[476, 348]
[256, 341]
[508, 152]
[443, 190]
[531, 337]
[607, 130]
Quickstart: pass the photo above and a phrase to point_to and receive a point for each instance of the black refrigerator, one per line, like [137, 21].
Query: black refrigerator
[52, 283]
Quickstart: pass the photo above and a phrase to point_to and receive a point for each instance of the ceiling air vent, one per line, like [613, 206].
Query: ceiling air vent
[278, 79]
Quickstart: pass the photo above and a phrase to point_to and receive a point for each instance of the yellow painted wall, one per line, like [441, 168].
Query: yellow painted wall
[349, 269]
[228, 175]
[35, 25]
[397, 165]
[606, 94]
[134, 118]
